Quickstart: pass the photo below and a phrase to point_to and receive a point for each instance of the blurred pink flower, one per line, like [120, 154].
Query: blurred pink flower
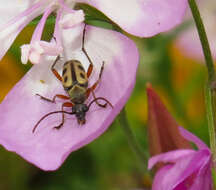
[189, 42]
[185, 169]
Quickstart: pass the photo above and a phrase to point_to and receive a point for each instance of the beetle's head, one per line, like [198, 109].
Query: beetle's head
[80, 112]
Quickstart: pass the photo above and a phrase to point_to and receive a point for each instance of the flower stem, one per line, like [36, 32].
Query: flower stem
[210, 117]
[132, 140]
[203, 39]
[210, 88]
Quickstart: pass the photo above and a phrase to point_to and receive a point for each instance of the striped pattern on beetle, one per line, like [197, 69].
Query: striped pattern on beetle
[75, 81]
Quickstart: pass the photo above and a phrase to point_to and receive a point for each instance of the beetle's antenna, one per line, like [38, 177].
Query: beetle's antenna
[54, 112]
[99, 98]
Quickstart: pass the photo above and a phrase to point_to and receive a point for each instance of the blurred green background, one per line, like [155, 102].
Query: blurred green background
[108, 163]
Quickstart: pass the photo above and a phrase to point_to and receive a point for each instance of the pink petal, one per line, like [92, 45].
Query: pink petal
[35, 57]
[37, 49]
[21, 109]
[199, 160]
[143, 18]
[159, 179]
[191, 137]
[177, 175]
[50, 48]
[16, 21]
[204, 177]
[189, 41]
[171, 156]
[190, 45]
[12, 8]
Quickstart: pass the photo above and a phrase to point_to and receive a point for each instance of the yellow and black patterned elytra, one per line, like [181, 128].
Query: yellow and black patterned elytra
[75, 81]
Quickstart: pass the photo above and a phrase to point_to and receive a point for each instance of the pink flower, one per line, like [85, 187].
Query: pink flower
[189, 41]
[181, 168]
[48, 148]
[143, 18]
[22, 109]
[66, 18]
[185, 169]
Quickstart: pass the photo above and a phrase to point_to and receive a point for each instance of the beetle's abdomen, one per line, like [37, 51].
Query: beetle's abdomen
[74, 80]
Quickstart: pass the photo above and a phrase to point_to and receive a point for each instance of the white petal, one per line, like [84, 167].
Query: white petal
[9, 31]
[72, 19]
[25, 49]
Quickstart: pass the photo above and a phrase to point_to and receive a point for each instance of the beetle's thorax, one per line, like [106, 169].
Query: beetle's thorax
[77, 94]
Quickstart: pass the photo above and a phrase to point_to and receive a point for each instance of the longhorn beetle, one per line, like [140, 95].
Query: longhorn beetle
[75, 82]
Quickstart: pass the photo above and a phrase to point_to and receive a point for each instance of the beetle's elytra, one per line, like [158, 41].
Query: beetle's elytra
[75, 81]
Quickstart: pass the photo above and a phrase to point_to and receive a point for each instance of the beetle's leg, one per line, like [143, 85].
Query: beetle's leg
[89, 90]
[92, 88]
[97, 82]
[66, 104]
[61, 96]
[54, 71]
[90, 68]
[101, 105]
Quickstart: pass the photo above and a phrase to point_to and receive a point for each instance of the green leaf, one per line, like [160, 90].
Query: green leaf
[96, 18]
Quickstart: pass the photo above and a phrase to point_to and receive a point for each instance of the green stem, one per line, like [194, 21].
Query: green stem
[132, 140]
[210, 117]
[203, 39]
[209, 101]
[210, 88]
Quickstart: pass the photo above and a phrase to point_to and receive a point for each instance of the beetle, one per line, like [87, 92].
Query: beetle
[75, 82]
